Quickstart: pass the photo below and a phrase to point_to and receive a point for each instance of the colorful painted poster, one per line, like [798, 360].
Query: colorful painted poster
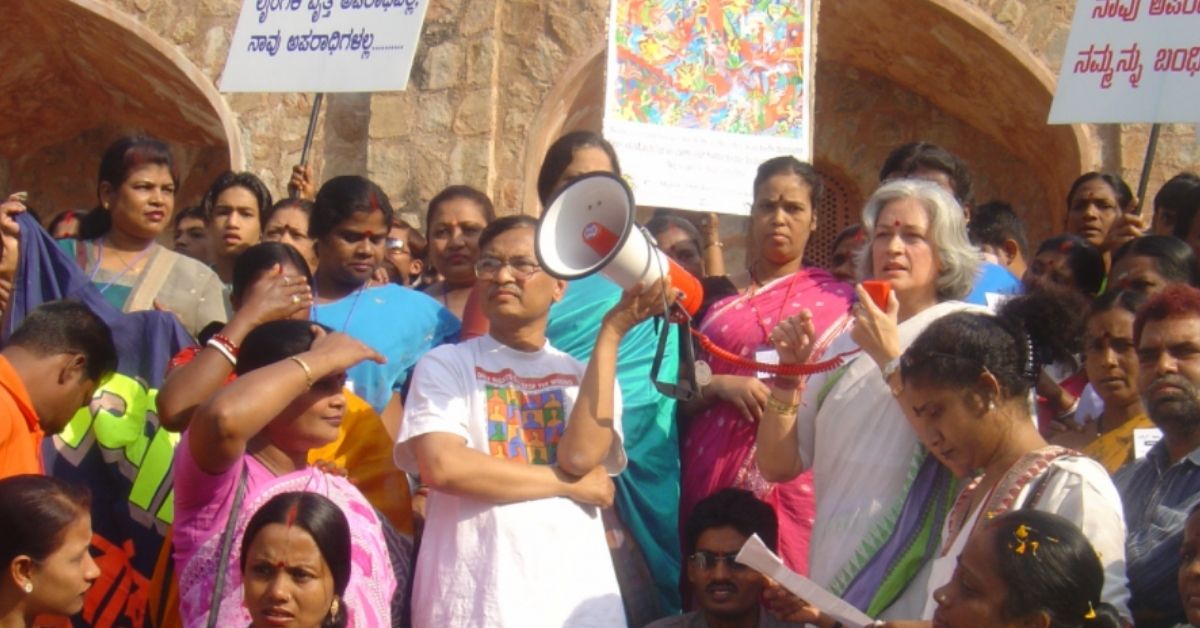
[700, 92]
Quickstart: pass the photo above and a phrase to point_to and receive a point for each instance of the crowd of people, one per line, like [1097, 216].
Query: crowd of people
[370, 423]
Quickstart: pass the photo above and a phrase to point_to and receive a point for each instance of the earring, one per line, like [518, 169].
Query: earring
[28, 587]
[991, 406]
[333, 608]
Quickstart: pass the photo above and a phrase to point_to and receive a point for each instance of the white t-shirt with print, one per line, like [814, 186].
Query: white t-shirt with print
[536, 563]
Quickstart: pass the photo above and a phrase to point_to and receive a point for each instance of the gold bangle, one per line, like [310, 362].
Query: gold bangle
[781, 407]
[307, 371]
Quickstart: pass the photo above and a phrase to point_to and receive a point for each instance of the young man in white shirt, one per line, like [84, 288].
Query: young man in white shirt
[517, 442]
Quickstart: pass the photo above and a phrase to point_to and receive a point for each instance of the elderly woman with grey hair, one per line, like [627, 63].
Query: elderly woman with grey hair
[881, 497]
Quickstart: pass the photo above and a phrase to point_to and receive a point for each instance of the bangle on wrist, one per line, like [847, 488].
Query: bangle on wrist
[1070, 409]
[890, 368]
[782, 408]
[308, 378]
[225, 347]
[719, 244]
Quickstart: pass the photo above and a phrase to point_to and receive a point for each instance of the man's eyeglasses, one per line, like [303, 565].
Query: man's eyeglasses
[489, 267]
[707, 561]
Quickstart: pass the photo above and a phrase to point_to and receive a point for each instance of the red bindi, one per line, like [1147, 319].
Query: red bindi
[896, 223]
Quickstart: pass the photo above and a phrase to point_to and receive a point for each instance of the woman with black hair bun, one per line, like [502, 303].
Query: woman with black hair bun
[1026, 568]
[964, 387]
[271, 282]
[295, 563]
[1072, 270]
[117, 245]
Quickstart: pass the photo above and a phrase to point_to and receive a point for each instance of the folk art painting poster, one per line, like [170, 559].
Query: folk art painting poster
[700, 92]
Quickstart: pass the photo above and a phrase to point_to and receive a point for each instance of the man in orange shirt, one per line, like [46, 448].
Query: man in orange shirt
[48, 370]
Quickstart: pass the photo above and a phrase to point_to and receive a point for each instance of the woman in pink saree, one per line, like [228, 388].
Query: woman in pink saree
[250, 442]
[718, 444]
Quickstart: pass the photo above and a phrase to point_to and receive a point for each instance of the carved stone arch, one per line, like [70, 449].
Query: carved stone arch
[78, 74]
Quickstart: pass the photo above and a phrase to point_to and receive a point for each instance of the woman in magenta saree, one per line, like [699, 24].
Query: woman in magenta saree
[719, 441]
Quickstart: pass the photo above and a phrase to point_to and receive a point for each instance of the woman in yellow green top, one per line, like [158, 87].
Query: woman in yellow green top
[1110, 359]
[117, 246]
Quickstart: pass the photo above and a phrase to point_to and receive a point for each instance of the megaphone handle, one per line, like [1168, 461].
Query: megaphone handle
[686, 389]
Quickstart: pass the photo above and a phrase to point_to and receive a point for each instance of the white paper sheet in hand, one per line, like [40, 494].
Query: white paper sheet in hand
[755, 554]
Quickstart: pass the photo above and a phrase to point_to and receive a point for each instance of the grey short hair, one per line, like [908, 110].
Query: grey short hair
[947, 234]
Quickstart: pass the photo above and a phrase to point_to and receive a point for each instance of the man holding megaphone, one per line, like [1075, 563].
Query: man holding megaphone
[517, 442]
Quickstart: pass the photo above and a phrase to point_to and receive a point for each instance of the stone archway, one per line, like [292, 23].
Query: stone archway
[990, 95]
[940, 70]
[65, 100]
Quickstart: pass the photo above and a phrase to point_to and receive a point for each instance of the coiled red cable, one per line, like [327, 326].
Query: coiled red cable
[787, 370]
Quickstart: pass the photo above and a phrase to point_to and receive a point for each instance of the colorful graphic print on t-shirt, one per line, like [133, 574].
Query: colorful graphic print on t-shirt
[525, 418]
[525, 426]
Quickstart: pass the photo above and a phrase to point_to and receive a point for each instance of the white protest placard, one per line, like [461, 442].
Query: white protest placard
[323, 45]
[1131, 61]
[698, 94]
[756, 555]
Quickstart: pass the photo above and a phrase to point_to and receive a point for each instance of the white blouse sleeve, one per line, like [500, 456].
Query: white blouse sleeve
[1082, 491]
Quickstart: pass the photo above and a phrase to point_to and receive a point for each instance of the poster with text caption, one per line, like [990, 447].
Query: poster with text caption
[1130, 61]
[323, 46]
[699, 93]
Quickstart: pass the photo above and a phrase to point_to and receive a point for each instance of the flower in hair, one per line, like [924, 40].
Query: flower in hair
[1026, 541]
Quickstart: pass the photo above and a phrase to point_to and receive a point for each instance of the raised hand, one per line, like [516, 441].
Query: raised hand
[794, 338]
[875, 330]
[1126, 227]
[10, 236]
[639, 303]
[340, 351]
[277, 296]
[301, 184]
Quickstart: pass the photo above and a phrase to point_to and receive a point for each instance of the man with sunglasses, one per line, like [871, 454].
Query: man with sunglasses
[728, 594]
[517, 442]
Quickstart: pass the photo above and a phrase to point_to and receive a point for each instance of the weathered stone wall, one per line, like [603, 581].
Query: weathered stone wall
[862, 117]
[486, 73]
[1042, 27]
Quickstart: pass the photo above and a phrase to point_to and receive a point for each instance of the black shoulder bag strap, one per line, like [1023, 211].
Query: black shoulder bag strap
[214, 606]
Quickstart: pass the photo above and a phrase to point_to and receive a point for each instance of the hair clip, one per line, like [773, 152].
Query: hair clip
[1091, 614]
[1031, 368]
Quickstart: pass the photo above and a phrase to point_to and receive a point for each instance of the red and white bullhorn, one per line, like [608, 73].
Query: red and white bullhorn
[589, 227]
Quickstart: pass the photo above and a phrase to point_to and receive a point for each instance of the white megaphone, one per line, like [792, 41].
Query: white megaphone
[589, 227]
